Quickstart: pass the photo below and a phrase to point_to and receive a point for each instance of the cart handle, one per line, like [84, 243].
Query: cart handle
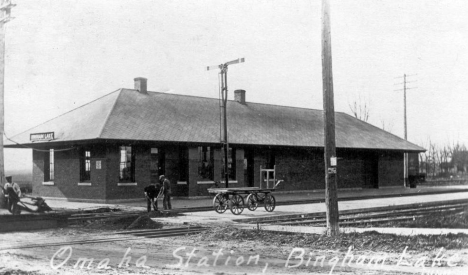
[277, 183]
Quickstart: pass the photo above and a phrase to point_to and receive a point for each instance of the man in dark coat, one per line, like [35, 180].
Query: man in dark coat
[166, 191]
[151, 192]
[12, 193]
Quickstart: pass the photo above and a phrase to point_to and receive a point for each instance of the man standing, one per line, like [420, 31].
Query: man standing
[166, 191]
[12, 197]
[151, 192]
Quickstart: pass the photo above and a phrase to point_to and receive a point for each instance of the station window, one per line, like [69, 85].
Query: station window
[183, 164]
[157, 162]
[205, 163]
[154, 164]
[231, 164]
[85, 166]
[49, 165]
[127, 164]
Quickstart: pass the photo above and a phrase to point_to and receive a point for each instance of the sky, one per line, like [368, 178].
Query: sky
[63, 54]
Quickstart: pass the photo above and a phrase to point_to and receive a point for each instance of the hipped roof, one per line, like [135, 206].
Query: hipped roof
[127, 114]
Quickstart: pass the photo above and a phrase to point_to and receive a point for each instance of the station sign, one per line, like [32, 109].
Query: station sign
[42, 136]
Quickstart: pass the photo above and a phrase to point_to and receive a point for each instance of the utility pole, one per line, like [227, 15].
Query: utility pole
[224, 94]
[5, 9]
[331, 198]
[405, 155]
[405, 159]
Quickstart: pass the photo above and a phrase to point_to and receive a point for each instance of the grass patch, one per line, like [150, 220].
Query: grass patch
[363, 241]
[7, 271]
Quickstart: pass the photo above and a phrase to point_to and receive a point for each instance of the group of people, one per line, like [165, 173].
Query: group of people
[156, 190]
[12, 193]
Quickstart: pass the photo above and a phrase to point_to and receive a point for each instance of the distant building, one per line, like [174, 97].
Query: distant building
[112, 147]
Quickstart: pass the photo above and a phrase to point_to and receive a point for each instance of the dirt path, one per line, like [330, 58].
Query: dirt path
[190, 255]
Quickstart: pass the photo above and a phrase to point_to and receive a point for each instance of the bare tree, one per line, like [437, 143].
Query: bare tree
[359, 109]
[387, 126]
[444, 156]
[423, 159]
[459, 157]
[433, 157]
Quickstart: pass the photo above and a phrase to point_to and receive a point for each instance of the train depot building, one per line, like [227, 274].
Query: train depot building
[111, 148]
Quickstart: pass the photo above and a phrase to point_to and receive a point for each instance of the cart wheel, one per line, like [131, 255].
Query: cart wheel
[220, 203]
[252, 202]
[237, 204]
[270, 202]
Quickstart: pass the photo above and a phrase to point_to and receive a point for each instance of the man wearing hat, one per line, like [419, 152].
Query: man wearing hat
[17, 190]
[151, 193]
[166, 184]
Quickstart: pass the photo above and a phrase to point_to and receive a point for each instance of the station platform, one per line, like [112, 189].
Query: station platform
[247, 219]
[318, 207]
[282, 198]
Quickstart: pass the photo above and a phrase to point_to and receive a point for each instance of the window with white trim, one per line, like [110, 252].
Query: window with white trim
[205, 163]
[49, 165]
[85, 166]
[127, 164]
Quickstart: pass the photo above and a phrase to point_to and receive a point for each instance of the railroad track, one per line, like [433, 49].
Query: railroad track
[372, 216]
[79, 217]
[82, 217]
[122, 236]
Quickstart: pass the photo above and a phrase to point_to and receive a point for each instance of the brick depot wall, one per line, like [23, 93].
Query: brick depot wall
[218, 168]
[67, 177]
[352, 171]
[239, 169]
[300, 169]
[195, 189]
[142, 173]
[391, 169]
[303, 169]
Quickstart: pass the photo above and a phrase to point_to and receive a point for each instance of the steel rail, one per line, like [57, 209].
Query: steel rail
[446, 209]
[383, 209]
[154, 234]
[373, 218]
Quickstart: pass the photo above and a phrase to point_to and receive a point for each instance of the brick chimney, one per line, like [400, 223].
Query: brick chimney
[140, 84]
[239, 96]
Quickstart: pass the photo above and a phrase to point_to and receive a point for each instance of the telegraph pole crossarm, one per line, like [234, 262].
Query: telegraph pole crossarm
[224, 92]
[6, 10]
